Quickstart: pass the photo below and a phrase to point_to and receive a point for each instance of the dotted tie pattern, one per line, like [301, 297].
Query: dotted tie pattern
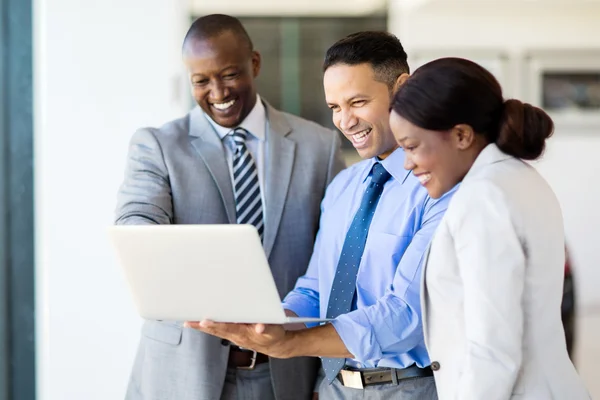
[344, 284]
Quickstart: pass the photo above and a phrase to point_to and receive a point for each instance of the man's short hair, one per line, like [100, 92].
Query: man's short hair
[210, 26]
[382, 50]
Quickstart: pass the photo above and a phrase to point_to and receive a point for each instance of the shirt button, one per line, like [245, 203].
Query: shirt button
[435, 366]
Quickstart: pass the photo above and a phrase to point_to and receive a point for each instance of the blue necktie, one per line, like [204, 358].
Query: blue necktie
[344, 283]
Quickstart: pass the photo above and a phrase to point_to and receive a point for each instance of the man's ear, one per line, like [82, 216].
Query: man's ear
[400, 81]
[463, 136]
[256, 63]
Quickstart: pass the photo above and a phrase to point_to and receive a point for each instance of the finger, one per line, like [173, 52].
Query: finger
[206, 323]
[267, 329]
[213, 328]
[223, 329]
[192, 324]
[260, 328]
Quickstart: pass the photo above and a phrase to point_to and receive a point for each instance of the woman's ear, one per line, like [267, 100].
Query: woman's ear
[463, 136]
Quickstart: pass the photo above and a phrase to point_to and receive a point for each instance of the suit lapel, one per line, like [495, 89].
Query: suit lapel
[280, 156]
[208, 145]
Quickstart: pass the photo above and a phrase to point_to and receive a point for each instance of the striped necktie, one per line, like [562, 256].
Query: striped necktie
[248, 203]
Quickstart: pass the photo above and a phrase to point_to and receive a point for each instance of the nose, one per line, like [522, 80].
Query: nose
[218, 91]
[348, 120]
[409, 165]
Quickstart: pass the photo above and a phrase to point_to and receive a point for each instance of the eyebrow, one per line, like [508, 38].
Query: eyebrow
[234, 66]
[351, 99]
[358, 96]
[220, 71]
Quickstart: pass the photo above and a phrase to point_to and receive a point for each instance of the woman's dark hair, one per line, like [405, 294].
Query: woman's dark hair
[450, 91]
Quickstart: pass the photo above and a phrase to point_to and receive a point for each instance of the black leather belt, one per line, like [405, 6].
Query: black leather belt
[359, 378]
[245, 359]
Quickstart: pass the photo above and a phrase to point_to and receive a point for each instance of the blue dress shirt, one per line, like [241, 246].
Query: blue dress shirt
[384, 329]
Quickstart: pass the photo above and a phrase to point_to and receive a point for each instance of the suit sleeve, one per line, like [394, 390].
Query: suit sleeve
[491, 262]
[145, 194]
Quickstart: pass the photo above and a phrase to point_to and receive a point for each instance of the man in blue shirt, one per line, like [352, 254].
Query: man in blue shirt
[376, 224]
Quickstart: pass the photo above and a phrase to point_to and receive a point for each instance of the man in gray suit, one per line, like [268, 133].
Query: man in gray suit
[233, 159]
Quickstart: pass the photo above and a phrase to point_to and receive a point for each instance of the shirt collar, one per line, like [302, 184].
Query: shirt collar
[394, 164]
[255, 122]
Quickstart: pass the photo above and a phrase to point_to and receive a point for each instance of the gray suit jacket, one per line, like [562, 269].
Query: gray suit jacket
[178, 174]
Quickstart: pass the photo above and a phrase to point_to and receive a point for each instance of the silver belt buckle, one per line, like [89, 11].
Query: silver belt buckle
[252, 361]
[352, 379]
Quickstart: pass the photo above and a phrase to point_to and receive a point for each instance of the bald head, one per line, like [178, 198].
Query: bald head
[212, 26]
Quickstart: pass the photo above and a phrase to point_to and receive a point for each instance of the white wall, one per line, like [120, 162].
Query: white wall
[102, 69]
[289, 7]
[571, 164]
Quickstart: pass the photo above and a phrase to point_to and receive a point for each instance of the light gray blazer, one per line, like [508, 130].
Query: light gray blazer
[178, 174]
[492, 289]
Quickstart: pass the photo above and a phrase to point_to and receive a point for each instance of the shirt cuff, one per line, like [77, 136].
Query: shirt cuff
[302, 306]
[358, 336]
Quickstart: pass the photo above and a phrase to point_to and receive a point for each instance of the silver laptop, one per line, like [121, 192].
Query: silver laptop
[196, 272]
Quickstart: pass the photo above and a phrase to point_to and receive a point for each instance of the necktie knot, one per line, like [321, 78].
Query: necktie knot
[239, 137]
[379, 174]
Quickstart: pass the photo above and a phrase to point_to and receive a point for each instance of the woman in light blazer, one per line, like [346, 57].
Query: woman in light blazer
[493, 279]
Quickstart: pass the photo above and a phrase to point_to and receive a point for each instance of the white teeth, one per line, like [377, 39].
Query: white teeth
[223, 106]
[360, 136]
[424, 178]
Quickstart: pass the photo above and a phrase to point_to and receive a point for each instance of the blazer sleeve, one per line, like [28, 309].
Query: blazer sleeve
[491, 263]
[145, 194]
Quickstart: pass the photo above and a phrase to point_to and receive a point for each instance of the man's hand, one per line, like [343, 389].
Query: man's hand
[272, 340]
[293, 327]
[276, 341]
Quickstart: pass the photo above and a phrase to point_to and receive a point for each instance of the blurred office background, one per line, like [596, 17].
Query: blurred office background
[77, 78]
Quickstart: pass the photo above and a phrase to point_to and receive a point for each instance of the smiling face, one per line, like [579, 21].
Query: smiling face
[222, 71]
[439, 159]
[360, 106]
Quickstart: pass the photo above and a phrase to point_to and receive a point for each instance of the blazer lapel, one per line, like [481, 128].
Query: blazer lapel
[280, 153]
[208, 145]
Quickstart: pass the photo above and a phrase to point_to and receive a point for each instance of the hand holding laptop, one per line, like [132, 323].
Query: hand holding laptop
[276, 341]
[273, 340]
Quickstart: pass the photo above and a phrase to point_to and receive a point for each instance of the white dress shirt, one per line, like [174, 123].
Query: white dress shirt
[256, 124]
